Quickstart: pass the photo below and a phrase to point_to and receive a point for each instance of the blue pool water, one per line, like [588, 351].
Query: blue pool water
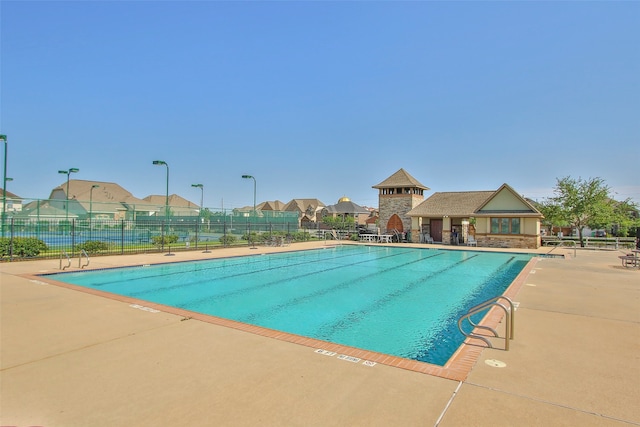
[399, 301]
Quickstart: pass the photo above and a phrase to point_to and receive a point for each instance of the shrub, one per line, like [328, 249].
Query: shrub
[229, 239]
[254, 237]
[93, 246]
[22, 246]
[165, 240]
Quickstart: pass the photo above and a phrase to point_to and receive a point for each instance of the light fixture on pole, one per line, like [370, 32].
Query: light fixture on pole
[254, 207]
[166, 200]
[68, 172]
[254, 191]
[91, 206]
[201, 187]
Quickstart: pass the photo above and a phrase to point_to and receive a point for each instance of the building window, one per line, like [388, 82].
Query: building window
[505, 225]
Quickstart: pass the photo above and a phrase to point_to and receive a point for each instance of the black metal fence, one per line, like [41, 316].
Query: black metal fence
[28, 239]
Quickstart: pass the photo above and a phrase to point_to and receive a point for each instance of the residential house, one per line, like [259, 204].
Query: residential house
[307, 210]
[346, 208]
[13, 203]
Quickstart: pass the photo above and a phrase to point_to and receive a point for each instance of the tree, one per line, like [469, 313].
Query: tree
[339, 222]
[582, 203]
[625, 217]
[552, 215]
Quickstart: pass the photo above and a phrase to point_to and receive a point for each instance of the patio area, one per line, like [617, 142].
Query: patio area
[70, 358]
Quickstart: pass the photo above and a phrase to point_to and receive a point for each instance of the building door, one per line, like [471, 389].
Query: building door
[395, 223]
[436, 230]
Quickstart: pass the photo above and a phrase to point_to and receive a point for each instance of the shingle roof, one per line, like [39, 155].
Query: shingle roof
[471, 203]
[275, 205]
[401, 178]
[463, 203]
[347, 207]
[174, 200]
[301, 205]
[9, 194]
[107, 192]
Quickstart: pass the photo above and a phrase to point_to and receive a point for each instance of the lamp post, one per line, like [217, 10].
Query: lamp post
[254, 191]
[91, 207]
[166, 200]
[4, 183]
[201, 187]
[254, 207]
[68, 172]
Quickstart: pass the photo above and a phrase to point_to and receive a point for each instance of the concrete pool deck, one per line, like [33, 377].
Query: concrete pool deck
[70, 358]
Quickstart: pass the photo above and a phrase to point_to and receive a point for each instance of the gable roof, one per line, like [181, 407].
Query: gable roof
[108, 192]
[401, 178]
[506, 200]
[275, 205]
[301, 205]
[9, 194]
[463, 203]
[503, 201]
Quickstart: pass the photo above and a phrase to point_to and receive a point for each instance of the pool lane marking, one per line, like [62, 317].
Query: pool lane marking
[328, 330]
[202, 266]
[341, 285]
[247, 273]
[277, 281]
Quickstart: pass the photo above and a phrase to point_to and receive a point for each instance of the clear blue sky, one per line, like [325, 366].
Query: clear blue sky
[320, 99]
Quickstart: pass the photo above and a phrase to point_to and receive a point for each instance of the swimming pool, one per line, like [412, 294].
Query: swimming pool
[399, 301]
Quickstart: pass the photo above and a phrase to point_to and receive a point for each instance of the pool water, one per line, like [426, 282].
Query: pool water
[399, 301]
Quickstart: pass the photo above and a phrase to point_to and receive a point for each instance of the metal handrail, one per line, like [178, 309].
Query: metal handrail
[68, 260]
[493, 302]
[80, 259]
[562, 242]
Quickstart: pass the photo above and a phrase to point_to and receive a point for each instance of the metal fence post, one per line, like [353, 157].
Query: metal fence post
[197, 227]
[162, 236]
[224, 232]
[73, 237]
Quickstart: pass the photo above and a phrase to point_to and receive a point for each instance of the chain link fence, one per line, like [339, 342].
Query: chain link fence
[59, 228]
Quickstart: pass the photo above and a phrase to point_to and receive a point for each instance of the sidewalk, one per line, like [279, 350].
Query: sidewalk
[69, 359]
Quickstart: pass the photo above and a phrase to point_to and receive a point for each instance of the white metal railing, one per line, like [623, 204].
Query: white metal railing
[83, 253]
[509, 321]
[64, 253]
[562, 243]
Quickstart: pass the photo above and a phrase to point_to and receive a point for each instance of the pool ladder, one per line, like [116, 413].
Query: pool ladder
[86, 255]
[80, 265]
[493, 302]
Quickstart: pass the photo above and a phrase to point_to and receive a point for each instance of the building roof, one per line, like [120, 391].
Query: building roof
[174, 201]
[9, 194]
[303, 205]
[275, 205]
[475, 203]
[401, 179]
[107, 192]
[347, 207]
[463, 203]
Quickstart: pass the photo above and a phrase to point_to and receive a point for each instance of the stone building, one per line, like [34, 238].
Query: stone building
[397, 195]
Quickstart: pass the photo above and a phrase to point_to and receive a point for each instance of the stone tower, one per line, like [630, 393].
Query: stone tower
[397, 195]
